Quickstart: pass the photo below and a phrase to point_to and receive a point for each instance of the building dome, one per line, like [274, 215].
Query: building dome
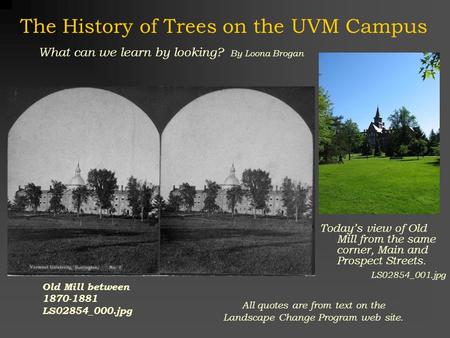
[231, 179]
[77, 180]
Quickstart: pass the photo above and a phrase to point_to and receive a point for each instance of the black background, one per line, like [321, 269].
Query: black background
[174, 306]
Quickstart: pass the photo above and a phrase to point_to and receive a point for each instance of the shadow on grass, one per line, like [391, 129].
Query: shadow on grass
[436, 163]
[362, 158]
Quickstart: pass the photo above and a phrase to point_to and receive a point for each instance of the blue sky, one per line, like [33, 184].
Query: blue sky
[358, 82]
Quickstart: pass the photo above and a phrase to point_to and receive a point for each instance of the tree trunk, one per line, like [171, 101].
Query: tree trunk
[142, 214]
[100, 212]
[254, 212]
[296, 214]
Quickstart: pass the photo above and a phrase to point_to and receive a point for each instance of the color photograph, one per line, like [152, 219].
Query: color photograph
[379, 133]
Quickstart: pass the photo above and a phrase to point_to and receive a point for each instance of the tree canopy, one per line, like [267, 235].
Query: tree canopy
[212, 188]
[175, 200]
[287, 196]
[403, 123]
[234, 196]
[187, 192]
[335, 136]
[430, 65]
[57, 190]
[139, 196]
[158, 202]
[102, 183]
[350, 137]
[20, 202]
[258, 184]
[80, 195]
[33, 194]
[295, 197]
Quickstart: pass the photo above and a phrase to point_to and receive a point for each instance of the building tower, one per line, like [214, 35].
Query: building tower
[76, 180]
[377, 120]
[231, 180]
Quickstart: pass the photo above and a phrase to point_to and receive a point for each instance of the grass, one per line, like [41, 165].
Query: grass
[243, 245]
[380, 186]
[45, 244]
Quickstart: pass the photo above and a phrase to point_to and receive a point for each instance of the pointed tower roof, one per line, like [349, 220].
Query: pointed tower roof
[76, 180]
[231, 179]
[78, 170]
[377, 114]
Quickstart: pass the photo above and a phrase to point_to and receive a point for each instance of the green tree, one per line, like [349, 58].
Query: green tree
[80, 195]
[187, 192]
[257, 184]
[211, 191]
[288, 196]
[433, 139]
[419, 147]
[402, 150]
[326, 124]
[403, 123]
[377, 147]
[57, 190]
[331, 139]
[419, 134]
[430, 65]
[33, 194]
[234, 196]
[103, 184]
[366, 148]
[351, 137]
[433, 143]
[402, 118]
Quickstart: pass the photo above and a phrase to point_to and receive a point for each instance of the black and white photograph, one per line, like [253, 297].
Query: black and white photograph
[237, 184]
[83, 176]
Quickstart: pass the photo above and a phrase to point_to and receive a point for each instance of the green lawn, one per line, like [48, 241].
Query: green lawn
[380, 186]
[243, 245]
